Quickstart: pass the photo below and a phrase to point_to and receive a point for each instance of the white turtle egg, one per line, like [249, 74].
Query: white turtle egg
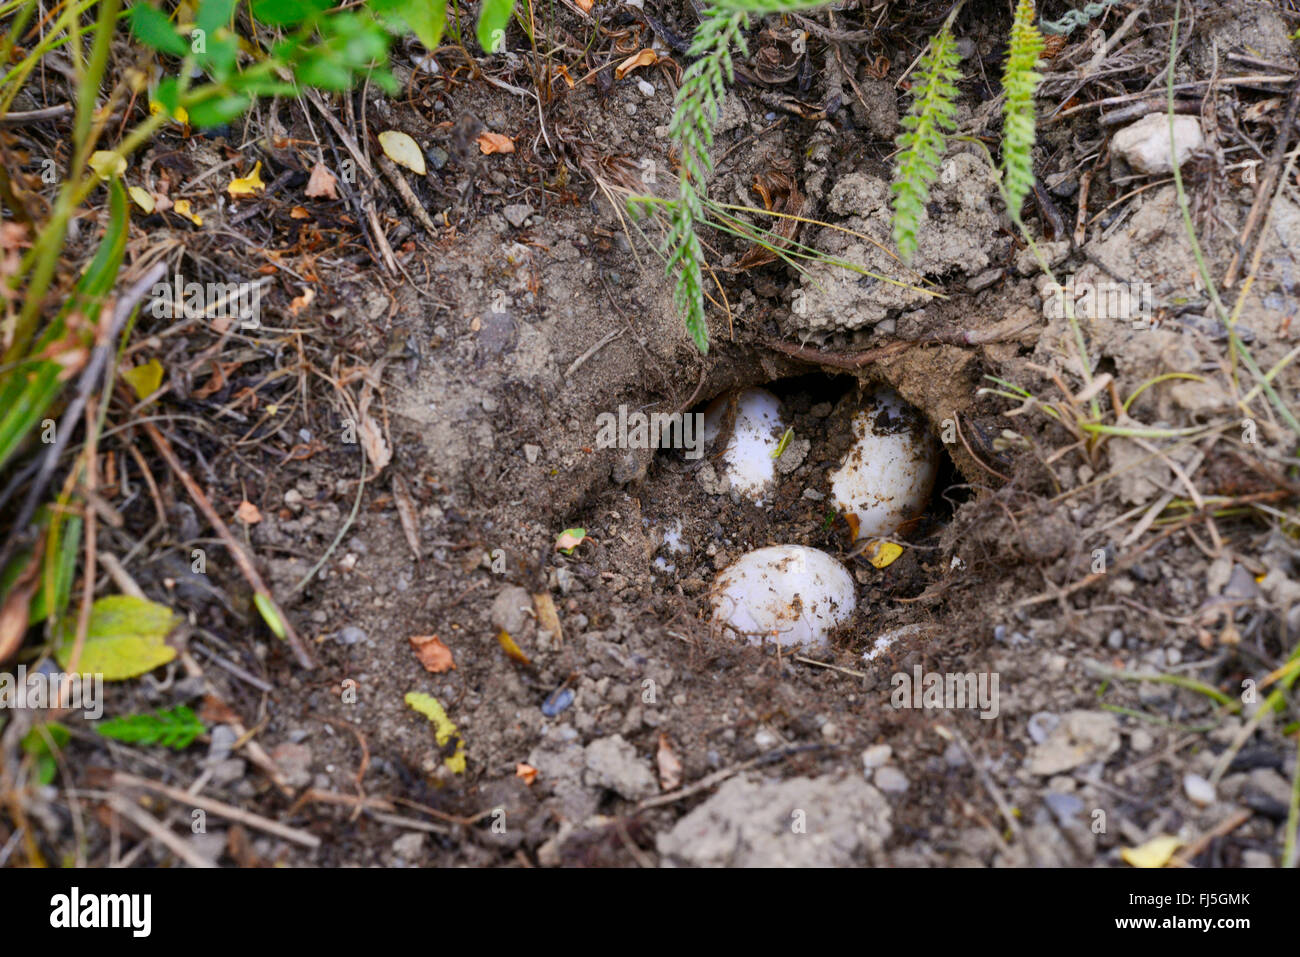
[789, 594]
[755, 435]
[887, 476]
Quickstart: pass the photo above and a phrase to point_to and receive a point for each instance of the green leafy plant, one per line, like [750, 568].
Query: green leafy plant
[926, 128]
[213, 69]
[174, 728]
[932, 116]
[1019, 85]
[43, 742]
[695, 112]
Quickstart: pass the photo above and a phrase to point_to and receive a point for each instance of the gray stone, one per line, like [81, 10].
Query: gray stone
[220, 742]
[510, 610]
[1064, 807]
[1144, 145]
[351, 635]
[802, 822]
[613, 763]
[890, 780]
[409, 846]
[1082, 737]
[876, 756]
[517, 214]
[294, 761]
[1041, 725]
[229, 771]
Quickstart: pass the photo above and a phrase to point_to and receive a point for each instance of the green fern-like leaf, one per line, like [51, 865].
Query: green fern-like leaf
[175, 728]
[695, 113]
[1019, 84]
[932, 116]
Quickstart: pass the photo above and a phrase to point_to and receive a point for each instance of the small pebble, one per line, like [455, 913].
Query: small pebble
[1041, 725]
[351, 635]
[876, 756]
[1199, 791]
[891, 780]
[557, 702]
[1064, 807]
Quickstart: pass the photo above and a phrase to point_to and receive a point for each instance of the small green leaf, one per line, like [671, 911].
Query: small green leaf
[427, 18]
[569, 539]
[38, 741]
[492, 22]
[175, 728]
[785, 440]
[153, 28]
[125, 638]
[269, 615]
[168, 95]
[214, 14]
[211, 113]
[286, 13]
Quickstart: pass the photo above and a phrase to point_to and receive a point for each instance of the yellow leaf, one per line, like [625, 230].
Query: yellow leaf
[125, 638]
[884, 554]
[143, 198]
[107, 164]
[248, 185]
[511, 649]
[144, 380]
[180, 116]
[182, 207]
[1154, 853]
[402, 150]
[444, 728]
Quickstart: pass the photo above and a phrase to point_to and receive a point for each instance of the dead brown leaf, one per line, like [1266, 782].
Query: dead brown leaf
[433, 654]
[548, 619]
[670, 766]
[406, 515]
[646, 57]
[491, 143]
[14, 612]
[321, 184]
[369, 432]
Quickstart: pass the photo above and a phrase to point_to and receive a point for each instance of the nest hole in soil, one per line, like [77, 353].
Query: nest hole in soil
[693, 530]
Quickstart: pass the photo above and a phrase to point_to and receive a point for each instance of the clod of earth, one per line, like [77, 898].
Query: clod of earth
[791, 594]
[888, 474]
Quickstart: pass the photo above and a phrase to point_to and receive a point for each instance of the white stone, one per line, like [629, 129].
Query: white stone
[1144, 145]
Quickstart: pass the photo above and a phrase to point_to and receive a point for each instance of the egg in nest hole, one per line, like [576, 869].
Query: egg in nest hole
[886, 479]
[750, 421]
[788, 594]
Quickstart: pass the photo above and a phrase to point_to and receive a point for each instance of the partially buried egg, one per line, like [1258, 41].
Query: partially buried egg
[789, 594]
[753, 419]
[888, 474]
